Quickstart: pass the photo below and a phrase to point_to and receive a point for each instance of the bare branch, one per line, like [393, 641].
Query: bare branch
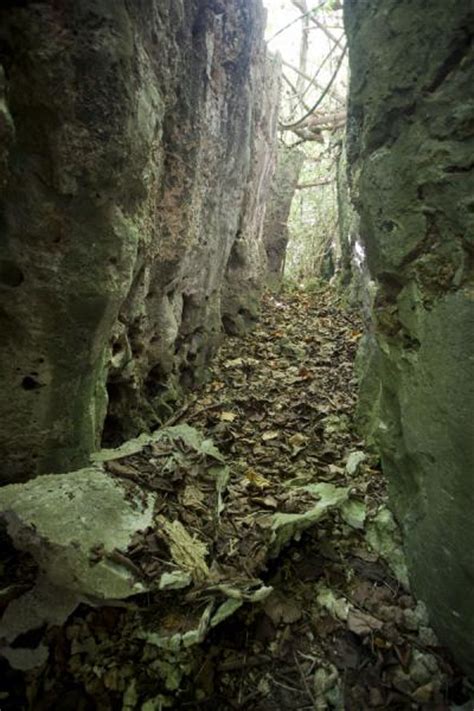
[304, 45]
[334, 120]
[296, 94]
[334, 93]
[327, 32]
[303, 186]
[314, 9]
[314, 83]
[300, 5]
[323, 95]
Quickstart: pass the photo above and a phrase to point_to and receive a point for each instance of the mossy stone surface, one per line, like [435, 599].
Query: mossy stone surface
[132, 138]
[410, 148]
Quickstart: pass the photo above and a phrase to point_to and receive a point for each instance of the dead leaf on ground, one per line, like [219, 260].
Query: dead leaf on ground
[362, 623]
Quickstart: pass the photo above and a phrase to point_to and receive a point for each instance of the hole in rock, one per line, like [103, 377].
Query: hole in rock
[10, 274]
[155, 383]
[30, 639]
[113, 431]
[112, 435]
[29, 383]
[116, 348]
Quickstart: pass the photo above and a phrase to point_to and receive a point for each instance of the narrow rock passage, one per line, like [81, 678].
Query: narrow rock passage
[281, 399]
[272, 575]
[340, 629]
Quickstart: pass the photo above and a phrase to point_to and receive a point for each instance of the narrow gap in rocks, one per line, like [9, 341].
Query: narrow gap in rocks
[281, 404]
[236, 285]
[322, 617]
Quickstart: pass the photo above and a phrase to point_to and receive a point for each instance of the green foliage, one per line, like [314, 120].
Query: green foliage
[313, 224]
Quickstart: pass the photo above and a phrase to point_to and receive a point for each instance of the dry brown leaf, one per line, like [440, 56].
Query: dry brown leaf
[271, 434]
[298, 440]
[362, 623]
[227, 416]
[256, 479]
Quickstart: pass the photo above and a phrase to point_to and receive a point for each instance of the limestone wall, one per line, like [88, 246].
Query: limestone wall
[282, 190]
[128, 135]
[410, 148]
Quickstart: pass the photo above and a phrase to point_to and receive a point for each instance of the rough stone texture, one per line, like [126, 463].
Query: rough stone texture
[347, 223]
[72, 525]
[282, 190]
[410, 150]
[128, 136]
[246, 268]
[63, 519]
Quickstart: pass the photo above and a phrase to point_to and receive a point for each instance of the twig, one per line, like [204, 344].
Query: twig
[178, 414]
[304, 680]
[246, 663]
[293, 22]
[301, 186]
[286, 686]
[328, 34]
[310, 658]
[295, 92]
[328, 55]
[335, 96]
[323, 95]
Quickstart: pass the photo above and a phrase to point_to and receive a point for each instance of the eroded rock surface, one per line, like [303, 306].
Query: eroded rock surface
[247, 265]
[131, 148]
[410, 150]
[282, 190]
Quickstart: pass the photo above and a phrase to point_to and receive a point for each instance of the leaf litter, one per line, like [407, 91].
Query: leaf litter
[272, 575]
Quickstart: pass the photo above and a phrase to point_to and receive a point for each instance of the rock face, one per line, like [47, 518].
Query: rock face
[247, 265]
[285, 179]
[135, 147]
[410, 150]
[348, 221]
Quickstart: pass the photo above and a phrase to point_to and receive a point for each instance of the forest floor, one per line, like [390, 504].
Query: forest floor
[335, 626]
[340, 629]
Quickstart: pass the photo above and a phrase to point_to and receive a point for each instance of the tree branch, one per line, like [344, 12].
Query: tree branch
[334, 94]
[304, 45]
[334, 120]
[321, 98]
[328, 33]
[318, 86]
[302, 186]
[314, 9]
[295, 92]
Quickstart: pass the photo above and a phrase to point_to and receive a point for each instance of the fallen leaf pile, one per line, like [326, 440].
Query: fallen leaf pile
[273, 569]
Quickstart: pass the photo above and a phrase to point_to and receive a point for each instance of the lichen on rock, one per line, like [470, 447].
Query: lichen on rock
[137, 147]
[410, 148]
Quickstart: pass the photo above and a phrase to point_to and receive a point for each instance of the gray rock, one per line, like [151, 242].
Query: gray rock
[72, 523]
[410, 147]
[282, 190]
[137, 145]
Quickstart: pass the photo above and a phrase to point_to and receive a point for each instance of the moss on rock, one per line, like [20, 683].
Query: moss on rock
[410, 147]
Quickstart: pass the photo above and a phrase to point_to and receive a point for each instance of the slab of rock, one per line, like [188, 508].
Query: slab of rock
[137, 145]
[410, 147]
[73, 525]
[282, 190]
